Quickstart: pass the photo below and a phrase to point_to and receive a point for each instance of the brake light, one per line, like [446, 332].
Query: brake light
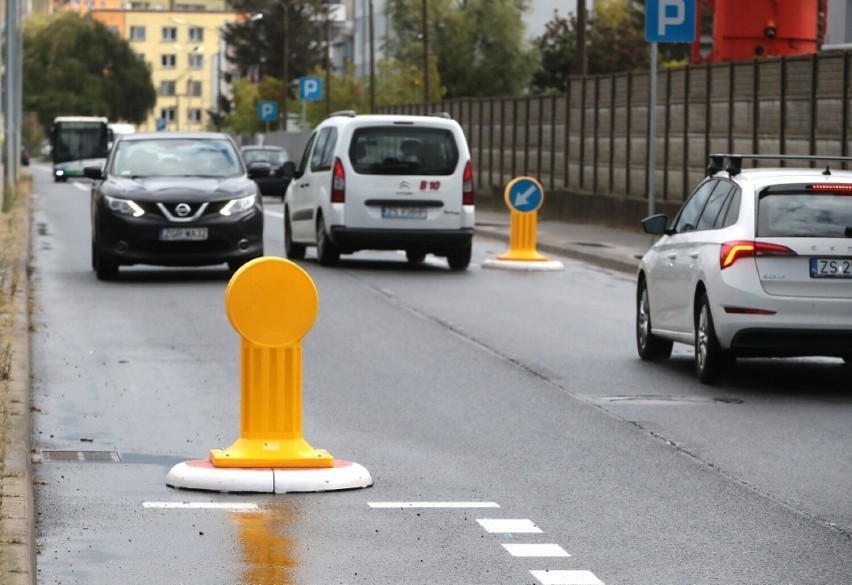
[338, 183]
[733, 251]
[839, 188]
[467, 184]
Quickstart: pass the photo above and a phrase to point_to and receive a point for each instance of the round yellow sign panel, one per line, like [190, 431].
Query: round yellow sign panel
[271, 302]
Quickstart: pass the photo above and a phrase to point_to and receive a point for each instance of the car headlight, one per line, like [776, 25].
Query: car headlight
[238, 205]
[123, 206]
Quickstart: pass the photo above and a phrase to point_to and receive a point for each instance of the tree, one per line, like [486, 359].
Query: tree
[616, 42]
[74, 65]
[478, 45]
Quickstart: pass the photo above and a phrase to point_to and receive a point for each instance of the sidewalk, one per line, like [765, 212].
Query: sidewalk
[613, 248]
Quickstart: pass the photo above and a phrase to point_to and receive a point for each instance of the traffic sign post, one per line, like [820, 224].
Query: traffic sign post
[271, 392]
[523, 196]
[310, 89]
[666, 21]
[267, 111]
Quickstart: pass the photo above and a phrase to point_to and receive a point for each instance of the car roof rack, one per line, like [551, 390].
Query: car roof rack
[735, 161]
[441, 115]
[347, 113]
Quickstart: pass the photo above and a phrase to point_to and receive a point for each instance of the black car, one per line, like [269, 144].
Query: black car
[175, 199]
[275, 183]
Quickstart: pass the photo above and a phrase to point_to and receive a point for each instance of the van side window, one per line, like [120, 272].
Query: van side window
[306, 155]
[328, 151]
[319, 149]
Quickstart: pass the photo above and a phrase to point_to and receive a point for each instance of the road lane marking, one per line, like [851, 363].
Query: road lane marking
[509, 526]
[433, 504]
[566, 578]
[273, 213]
[536, 550]
[236, 506]
[83, 187]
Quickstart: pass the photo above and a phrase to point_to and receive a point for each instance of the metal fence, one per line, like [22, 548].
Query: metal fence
[593, 138]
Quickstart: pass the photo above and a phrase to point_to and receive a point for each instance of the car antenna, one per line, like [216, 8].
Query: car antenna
[827, 171]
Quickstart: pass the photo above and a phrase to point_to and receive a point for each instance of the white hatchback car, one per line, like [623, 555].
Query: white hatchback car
[382, 182]
[757, 263]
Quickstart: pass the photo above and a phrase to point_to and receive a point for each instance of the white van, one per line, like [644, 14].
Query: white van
[382, 182]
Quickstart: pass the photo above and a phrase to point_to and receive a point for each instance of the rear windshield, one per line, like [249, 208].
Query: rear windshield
[823, 215]
[275, 157]
[403, 150]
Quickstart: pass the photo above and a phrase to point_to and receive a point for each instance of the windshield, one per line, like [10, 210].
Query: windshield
[274, 157]
[79, 140]
[183, 157]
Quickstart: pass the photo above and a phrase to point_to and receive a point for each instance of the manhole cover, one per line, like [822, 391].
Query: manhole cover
[82, 456]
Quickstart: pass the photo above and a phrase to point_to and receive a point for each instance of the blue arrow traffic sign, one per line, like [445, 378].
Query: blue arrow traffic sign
[524, 194]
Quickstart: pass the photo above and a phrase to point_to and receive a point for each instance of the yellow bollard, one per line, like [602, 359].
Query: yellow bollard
[272, 303]
[523, 196]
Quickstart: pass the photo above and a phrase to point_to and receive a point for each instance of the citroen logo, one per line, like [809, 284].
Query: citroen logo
[182, 209]
[404, 185]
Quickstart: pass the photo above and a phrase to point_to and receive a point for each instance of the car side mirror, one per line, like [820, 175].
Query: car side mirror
[656, 225]
[94, 173]
[288, 169]
[257, 170]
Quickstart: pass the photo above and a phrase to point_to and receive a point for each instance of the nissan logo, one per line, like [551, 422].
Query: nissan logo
[182, 209]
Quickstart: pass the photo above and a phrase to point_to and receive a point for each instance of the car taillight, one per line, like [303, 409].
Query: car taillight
[733, 251]
[838, 188]
[338, 183]
[467, 184]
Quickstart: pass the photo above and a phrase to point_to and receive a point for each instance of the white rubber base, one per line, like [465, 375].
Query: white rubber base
[201, 475]
[543, 265]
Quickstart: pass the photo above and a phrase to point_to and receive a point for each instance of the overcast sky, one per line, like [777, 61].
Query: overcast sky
[541, 12]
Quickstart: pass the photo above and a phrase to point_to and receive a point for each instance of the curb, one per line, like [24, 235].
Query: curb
[17, 525]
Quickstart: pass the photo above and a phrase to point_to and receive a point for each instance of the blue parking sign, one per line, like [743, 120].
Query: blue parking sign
[670, 21]
[267, 111]
[310, 89]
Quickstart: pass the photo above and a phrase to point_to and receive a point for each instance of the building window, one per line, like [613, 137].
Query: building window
[168, 61]
[196, 61]
[196, 34]
[168, 34]
[193, 116]
[167, 114]
[167, 88]
[193, 88]
[137, 33]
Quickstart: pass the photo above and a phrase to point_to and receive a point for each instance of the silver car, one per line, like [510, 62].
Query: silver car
[757, 263]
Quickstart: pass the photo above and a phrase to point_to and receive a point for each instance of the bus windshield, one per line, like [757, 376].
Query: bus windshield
[79, 138]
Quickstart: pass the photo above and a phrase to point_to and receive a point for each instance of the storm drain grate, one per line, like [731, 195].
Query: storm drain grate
[82, 456]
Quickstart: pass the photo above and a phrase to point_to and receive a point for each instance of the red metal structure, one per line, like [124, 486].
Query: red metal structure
[745, 29]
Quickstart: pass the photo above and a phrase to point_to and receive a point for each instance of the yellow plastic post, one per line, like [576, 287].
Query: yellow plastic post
[523, 220]
[272, 303]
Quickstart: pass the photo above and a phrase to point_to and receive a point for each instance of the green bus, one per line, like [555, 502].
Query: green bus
[78, 142]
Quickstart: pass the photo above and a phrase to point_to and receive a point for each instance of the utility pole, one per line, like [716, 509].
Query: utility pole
[372, 61]
[286, 77]
[425, 52]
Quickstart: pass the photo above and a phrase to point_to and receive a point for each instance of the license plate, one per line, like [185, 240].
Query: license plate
[831, 267]
[183, 234]
[404, 212]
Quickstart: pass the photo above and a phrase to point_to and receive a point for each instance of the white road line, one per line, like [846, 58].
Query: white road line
[433, 505]
[238, 507]
[508, 526]
[566, 578]
[536, 550]
[273, 213]
[83, 187]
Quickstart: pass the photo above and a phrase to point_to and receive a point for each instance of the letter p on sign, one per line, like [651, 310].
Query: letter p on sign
[670, 21]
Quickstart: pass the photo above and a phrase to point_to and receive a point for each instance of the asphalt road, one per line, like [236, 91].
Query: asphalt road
[517, 392]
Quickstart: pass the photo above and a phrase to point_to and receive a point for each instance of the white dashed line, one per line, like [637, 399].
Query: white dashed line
[536, 550]
[566, 578]
[433, 505]
[509, 526]
[237, 507]
[273, 213]
[83, 187]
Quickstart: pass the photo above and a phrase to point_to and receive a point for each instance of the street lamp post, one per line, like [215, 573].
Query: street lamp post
[372, 61]
[285, 85]
[425, 52]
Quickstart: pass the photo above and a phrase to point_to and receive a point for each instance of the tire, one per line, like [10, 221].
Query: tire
[104, 269]
[650, 347]
[292, 250]
[459, 259]
[415, 256]
[327, 253]
[710, 359]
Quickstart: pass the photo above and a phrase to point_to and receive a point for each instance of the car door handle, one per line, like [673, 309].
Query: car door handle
[304, 185]
[672, 256]
[693, 254]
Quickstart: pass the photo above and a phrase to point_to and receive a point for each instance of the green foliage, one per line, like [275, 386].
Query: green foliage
[615, 41]
[478, 45]
[74, 65]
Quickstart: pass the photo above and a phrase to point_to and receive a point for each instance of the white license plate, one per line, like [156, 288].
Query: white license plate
[404, 212]
[183, 234]
[831, 267]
